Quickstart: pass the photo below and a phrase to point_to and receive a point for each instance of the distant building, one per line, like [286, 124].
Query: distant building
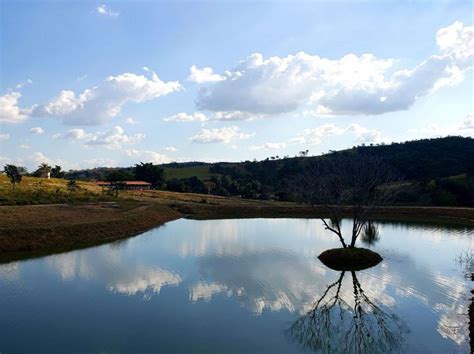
[125, 185]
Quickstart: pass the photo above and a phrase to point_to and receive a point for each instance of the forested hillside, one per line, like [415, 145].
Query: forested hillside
[430, 172]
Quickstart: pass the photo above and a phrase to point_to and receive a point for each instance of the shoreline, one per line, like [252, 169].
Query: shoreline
[38, 230]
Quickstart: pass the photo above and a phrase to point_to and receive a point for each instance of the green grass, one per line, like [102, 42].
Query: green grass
[201, 172]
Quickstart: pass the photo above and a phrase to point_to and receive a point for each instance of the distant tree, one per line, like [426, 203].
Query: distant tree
[42, 170]
[304, 153]
[175, 185]
[150, 173]
[14, 173]
[72, 185]
[56, 172]
[119, 175]
[355, 182]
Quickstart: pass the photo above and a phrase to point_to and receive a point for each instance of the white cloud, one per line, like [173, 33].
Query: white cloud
[456, 40]
[204, 75]
[363, 135]
[148, 156]
[23, 83]
[351, 85]
[170, 149]
[235, 115]
[101, 103]
[433, 130]
[99, 162]
[468, 123]
[106, 11]
[185, 117]
[322, 111]
[113, 138]
[37, 130]
[4, 136]
[201, 117]
[130, 121]
[268, 146]
[4, 160]
[10, 112]
[38, 158]
[24, 146]
[220, 135]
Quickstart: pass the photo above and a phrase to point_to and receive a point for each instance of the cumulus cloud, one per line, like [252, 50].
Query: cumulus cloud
[204, 75]
[468, 123]
[220, 135]
[130, 121]
[201, 117]
[185, 117]
[37, 130]
[234, 115]
[148, 156]
[113, 138]
[4, 136]
[170, 149]
[456, 40]
[99, 162]
[363, 135]
[101, 103]
[433, 130]
[104, 10]
[351, 85]
[38, 158]
[10, 112]
[268, 146]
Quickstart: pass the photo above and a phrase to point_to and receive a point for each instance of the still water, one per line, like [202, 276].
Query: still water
[243, 286]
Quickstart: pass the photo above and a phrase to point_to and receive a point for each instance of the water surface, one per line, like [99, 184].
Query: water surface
[242, 286]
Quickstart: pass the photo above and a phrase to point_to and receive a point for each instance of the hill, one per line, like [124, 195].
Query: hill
[433, 172]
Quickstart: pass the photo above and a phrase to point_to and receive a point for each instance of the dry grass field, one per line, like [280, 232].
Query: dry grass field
[33, 190]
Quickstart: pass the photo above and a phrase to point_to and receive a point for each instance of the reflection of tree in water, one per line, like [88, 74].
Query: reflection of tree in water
[335, 326]
[370, 235]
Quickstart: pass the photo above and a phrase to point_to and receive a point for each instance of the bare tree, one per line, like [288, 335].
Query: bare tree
[343, 182]
[338, 325]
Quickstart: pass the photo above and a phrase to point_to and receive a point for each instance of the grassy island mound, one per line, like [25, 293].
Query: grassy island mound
[349, 258]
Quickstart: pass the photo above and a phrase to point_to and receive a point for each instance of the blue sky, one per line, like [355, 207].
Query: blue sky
[86, 84]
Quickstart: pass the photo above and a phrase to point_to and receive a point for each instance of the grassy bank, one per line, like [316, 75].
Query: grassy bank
[26, 231]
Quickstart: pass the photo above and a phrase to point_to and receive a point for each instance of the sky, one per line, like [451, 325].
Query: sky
[87, 84]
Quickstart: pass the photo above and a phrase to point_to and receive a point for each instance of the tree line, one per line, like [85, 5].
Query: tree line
[432, 172]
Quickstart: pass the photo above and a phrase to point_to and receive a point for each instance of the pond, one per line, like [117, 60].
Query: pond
[243, 286]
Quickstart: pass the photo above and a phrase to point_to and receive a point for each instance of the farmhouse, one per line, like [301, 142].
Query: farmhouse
[125, 185]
